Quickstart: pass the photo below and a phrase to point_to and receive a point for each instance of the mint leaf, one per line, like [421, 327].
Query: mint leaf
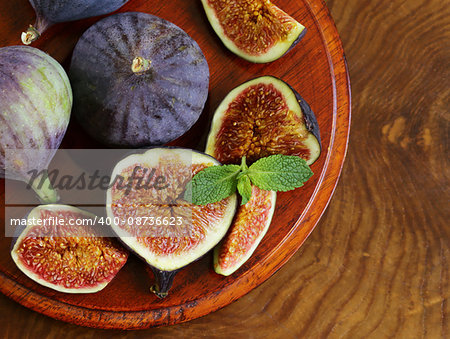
[273, 173]
[212, 184]
[244, 187]
[279, 173]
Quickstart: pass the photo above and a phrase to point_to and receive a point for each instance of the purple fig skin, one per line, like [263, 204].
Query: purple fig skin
[310, 118]
[123, 102]
[49, 12]
[300, 37]
[69, 10]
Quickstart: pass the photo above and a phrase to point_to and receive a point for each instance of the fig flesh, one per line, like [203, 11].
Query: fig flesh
[249, 226]
[157, 224]
[138, 80]
[67, 258]
[49, 12]
[263, 117]
[255, 30]
[35, 106]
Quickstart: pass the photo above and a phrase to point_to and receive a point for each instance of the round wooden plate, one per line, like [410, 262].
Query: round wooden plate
[316, 68]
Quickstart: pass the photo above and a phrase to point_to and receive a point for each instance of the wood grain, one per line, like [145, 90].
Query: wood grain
[377, 264]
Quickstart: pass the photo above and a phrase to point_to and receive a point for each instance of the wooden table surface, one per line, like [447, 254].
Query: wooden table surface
[377, 264]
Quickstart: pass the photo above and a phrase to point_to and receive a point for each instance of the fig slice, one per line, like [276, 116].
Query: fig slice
[152, 218]
[255, 30]
[249, 226]
[262, 117]
[60, 248]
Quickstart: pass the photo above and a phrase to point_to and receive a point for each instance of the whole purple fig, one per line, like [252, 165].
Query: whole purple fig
[138, 80]
[49, 12]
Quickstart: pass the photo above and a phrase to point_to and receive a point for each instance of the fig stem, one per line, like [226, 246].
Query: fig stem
[30, 35]
[159, 294]
[140, 65]
[164, 280]
[34, 32]
[244, 166]
[44, 189]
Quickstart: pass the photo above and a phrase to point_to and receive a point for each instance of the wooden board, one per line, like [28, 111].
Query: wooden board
[316, 68]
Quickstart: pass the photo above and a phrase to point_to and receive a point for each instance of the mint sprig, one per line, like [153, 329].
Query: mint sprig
[272, 173]
[212, 184]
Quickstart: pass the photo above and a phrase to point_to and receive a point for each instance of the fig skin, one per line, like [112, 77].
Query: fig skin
[293, 100]
[275, 50]
[138, 80]
[165, 267]
[310, 118]
[22, 233]
[35, 106]
[49, 12]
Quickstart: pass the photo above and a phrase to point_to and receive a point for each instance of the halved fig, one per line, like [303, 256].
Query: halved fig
[255, 30]
[262, 117]
[249, 226]
[152, 218]
[60, 248]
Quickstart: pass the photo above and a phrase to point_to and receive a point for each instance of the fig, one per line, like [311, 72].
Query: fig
[35, 105]
[152, 218]
[249, 226]
[60, 248]
[138, 80]
[262, 117]
[49, 12]
[255, 30]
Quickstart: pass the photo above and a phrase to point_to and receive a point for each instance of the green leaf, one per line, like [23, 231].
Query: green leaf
[273, 173]
[244, 187]
[212, 184]
[279, 173]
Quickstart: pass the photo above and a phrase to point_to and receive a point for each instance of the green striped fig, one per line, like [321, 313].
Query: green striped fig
[35, 106]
